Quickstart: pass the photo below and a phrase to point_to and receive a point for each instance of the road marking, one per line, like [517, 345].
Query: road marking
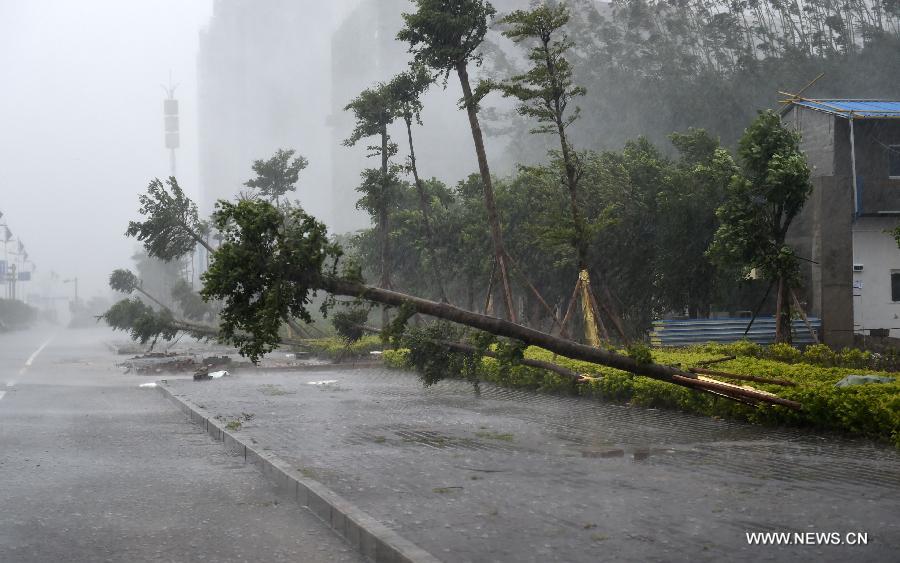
[2, 393]
[31, 358]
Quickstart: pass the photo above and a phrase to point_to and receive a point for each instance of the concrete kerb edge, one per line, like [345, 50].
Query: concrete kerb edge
[367, 535]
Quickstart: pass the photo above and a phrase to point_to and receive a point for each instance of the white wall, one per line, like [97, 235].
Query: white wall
[878, 253]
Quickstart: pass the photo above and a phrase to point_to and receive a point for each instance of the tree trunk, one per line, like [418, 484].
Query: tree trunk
[534, 337]
[783, 313]
[383, 227]
[426, 221]
[489, 203]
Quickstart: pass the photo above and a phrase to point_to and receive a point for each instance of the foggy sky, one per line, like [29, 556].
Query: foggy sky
[82, 117]
[83, 126]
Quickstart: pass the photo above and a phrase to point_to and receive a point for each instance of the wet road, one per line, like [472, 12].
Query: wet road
[92, 468]
[511, 475]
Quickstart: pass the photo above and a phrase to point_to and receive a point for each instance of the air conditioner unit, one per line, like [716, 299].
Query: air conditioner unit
[857, 267]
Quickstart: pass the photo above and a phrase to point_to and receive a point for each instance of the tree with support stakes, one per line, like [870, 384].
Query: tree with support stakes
[759, 207]
[545, 93]
[445, 35]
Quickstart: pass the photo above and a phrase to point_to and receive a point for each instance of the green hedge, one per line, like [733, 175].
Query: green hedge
[338, 349]
[866, 410]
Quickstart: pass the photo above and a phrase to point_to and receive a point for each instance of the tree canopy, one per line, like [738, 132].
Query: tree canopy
[444, 34]
[277, 175]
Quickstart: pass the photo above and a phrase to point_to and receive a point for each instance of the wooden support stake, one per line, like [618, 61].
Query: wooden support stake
[809, 327]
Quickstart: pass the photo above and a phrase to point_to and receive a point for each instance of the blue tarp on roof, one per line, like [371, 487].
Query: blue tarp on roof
[855, 108]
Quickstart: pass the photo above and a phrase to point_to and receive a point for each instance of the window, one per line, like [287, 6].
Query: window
[895, 286]
[894, 161]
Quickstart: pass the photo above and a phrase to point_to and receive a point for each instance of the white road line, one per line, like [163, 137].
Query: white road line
[32, 357]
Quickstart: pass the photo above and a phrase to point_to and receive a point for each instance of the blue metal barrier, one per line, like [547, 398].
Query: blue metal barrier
[698, 331]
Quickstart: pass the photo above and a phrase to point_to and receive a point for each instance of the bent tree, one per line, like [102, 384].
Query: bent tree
[760, 205]
[444, 35]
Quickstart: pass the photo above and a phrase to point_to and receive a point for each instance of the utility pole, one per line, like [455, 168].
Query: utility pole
[170, 116]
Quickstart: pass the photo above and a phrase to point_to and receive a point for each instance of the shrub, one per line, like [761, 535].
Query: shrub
[867, 410]
[782, 352]
[819, 355]
[335, 348]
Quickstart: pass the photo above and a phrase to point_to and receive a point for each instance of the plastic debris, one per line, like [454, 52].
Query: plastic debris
[218, 374]
[325, 382]
[147, 385]
[376, 352]
[863, 380]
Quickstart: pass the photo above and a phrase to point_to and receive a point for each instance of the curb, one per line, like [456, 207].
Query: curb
[365, 534]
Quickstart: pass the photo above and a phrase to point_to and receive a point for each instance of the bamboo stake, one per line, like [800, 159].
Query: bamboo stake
[804, 317]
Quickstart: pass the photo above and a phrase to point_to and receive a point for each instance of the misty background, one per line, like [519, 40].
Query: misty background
[82, 101]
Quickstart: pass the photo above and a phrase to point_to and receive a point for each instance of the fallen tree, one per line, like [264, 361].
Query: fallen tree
[561, 346]
[272, 260]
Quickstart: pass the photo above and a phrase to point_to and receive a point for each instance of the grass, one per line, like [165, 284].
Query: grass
[871, 411]
[336, 349]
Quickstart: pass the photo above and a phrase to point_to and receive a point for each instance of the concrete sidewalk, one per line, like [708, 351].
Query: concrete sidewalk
[516, 476]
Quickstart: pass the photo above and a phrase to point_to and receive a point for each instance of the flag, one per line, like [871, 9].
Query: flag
[21, 247]
[8, 234]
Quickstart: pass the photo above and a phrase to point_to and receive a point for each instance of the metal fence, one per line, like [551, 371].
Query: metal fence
[698, 331]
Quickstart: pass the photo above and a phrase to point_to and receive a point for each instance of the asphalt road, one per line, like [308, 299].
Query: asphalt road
[93, 468]
[509, 475]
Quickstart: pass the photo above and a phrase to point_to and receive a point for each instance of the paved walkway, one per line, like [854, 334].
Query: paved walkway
[517, 476]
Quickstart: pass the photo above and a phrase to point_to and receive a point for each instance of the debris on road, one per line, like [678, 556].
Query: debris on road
[158, 362]
[203, 374]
